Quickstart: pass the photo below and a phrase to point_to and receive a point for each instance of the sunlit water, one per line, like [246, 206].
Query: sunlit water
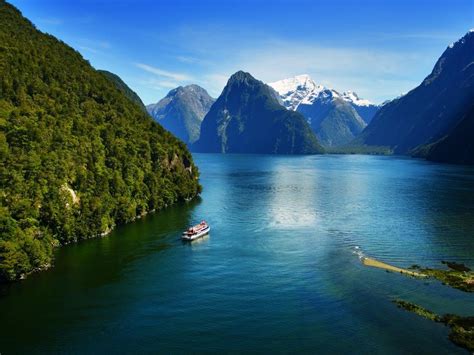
[279, 272]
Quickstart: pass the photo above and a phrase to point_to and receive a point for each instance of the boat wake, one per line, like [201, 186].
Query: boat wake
[358, 251]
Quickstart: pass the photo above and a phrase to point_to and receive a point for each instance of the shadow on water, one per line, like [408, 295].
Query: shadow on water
[101, 260]
[82, 267]
[276, 272]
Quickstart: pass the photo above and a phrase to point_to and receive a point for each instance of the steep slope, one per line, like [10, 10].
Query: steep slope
[124, 88]
[458, 145]
[182, 111]
[432, 109]
[295, 90]
[77, 156]
[364, 108]
[333, 117]
[247, 118]
[334, 120]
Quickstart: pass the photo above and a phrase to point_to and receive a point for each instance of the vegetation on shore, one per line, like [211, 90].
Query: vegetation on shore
[461, 328]
[458, 276]
[77, 156]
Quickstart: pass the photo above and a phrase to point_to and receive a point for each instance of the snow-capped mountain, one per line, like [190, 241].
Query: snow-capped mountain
[334, 117]
[294, 90]
[352, 97]
[301, 89]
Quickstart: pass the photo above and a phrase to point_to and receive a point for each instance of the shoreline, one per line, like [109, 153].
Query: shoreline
[381, 265]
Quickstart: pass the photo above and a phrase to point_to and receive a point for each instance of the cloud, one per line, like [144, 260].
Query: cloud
[179, 77]
[185, 59]
[54, 21]
[88, 49]
[375, 74]
[92, 46]
[214, 83]
[374, 65]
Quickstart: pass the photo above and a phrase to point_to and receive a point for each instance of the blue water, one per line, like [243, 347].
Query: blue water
[278, 273]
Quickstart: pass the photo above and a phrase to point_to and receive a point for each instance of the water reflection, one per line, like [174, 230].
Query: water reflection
[280, 255]
[293, 197]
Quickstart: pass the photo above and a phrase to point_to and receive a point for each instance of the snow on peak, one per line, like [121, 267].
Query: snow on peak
[353, 98]
[462, 40]
[301, 89]
[292, 84]
[295, 90]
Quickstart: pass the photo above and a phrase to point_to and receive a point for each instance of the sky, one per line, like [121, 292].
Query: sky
[377, 48]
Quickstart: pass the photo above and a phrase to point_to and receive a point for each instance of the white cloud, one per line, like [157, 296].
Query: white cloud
[214, 83]
[158, 84]
[185, 59]
[88, 49]
[54, 21]
[374, 74]
[164, 73]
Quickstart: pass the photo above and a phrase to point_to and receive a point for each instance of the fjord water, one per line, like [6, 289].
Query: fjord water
[279, 271]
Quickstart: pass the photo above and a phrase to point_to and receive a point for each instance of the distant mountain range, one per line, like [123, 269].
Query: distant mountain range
[249, 118]
[431, 119]
[335, 118]
[182, 111]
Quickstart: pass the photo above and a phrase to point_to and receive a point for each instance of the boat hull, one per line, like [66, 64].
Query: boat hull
[196, 236]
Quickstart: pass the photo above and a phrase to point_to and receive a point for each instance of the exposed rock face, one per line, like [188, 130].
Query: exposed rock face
[182, 111]
[248, 118]
[335, 118]
[433, 109]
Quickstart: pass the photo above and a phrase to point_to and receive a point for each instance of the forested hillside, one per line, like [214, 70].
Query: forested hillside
[76, 155]
[122, 86]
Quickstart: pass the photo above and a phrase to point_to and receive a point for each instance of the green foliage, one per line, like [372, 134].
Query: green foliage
[120, 85]
[411, 307]
[76, 155]
[461, 328]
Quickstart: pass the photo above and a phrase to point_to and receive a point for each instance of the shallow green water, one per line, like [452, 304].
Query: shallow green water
[279, 271]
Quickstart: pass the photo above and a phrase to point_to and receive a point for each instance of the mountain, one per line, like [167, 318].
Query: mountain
[248, 118]
[124, 88]
[364, 108]
[295, 90]
[333, 117]
[430, 111]
[182, 111]
[458, 145]
[77, 155]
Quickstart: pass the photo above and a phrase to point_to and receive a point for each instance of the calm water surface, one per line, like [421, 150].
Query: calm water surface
[278, 272]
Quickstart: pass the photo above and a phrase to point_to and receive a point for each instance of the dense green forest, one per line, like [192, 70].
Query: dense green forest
[120, 84]
[76, 155]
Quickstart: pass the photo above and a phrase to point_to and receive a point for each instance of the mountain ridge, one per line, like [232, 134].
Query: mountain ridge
[246, 108]
[182, 110]
[333, 117]
[429, 111]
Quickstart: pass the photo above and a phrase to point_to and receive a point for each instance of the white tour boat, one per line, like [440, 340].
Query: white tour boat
[197, 231]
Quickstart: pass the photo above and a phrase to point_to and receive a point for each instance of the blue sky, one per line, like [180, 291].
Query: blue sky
[379, 49]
